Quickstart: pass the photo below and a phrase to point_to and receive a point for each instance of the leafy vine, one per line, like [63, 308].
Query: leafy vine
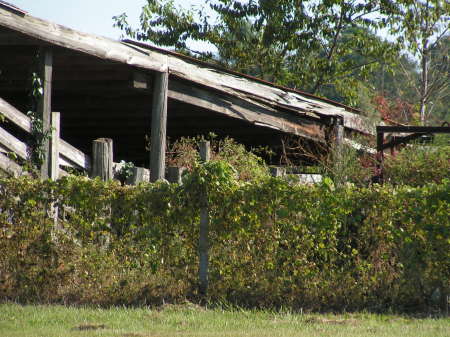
[39, 136]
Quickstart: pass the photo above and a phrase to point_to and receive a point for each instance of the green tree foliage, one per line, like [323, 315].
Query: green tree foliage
[310, 45]
[422, 27]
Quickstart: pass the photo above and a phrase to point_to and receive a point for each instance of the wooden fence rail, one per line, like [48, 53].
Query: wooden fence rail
[69, 156]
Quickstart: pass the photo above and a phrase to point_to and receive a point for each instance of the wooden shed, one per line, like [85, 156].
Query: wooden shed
[107, 88]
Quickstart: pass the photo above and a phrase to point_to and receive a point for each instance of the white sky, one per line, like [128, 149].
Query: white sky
[89, 16]
[95, 16]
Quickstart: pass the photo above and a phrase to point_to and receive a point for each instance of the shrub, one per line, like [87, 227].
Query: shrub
[272, 244]
[418, 164]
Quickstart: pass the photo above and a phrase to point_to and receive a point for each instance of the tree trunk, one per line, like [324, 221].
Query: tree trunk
[424, 82]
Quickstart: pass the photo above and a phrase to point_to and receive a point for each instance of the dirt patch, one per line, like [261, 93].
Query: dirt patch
[314, 320]
[84, 327]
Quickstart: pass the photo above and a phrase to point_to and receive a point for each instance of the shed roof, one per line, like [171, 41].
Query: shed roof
[267, 96]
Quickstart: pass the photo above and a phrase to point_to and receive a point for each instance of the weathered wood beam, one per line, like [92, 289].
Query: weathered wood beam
[414, 129]
[67, 151]
[11, 39]
[97, 46]
[251, 113]
[44, 108]
[54, 146]
[159, 126]
[13, 144]
[11, 167]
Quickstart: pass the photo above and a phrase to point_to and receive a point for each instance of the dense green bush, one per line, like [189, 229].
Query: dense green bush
[420, 164]
[273, 244]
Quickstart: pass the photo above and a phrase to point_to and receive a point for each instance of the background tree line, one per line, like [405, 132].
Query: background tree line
[332, 48]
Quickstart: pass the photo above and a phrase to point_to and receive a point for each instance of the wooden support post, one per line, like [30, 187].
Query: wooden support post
[380, 156]
[277, 171]
[44, 108]
[203, 244]
[159, 124]
[102, 157]
[338, 144]
[174, 174]
[139, 175]
[54, 146]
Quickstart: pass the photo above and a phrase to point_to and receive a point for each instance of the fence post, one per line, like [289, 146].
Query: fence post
[54, 146]
[139, 175]
[102, 158]
[174, 174]
[277, 171]
[203, 244]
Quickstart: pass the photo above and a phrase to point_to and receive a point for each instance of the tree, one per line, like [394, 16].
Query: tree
[306, 44]
[423, 28]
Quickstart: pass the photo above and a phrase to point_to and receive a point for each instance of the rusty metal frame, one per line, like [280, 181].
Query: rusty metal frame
[414, 132]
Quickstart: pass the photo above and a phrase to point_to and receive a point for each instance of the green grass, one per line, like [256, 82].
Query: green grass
[191, 320]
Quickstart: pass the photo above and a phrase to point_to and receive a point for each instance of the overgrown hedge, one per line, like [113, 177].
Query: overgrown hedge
[273, 243]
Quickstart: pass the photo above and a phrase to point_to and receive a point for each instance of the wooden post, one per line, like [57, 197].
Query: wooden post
[54, 146]
[139, 175]
[174, 174]
[338, 143]
[203, 244]
[380, 156]
[102, 158]
[277, 171]
[159, 125]
[44, 108]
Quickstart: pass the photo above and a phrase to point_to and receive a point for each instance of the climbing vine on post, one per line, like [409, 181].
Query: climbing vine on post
[39, 136]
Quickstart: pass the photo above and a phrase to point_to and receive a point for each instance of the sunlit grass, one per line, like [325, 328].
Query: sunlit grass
[191, 320]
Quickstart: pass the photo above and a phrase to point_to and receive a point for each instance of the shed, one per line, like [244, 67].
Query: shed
[108, 88]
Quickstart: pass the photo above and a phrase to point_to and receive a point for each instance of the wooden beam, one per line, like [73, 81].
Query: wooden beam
[414, 129]
[54, 146]
[9, 166]
[67, 151]
[252, 113]
[13, 144]
[44, 109]
[159, 126]
[97, 46]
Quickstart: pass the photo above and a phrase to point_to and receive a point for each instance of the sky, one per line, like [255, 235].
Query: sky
[89, 16]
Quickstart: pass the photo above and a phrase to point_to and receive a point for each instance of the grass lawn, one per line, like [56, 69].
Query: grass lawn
[191, 320]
